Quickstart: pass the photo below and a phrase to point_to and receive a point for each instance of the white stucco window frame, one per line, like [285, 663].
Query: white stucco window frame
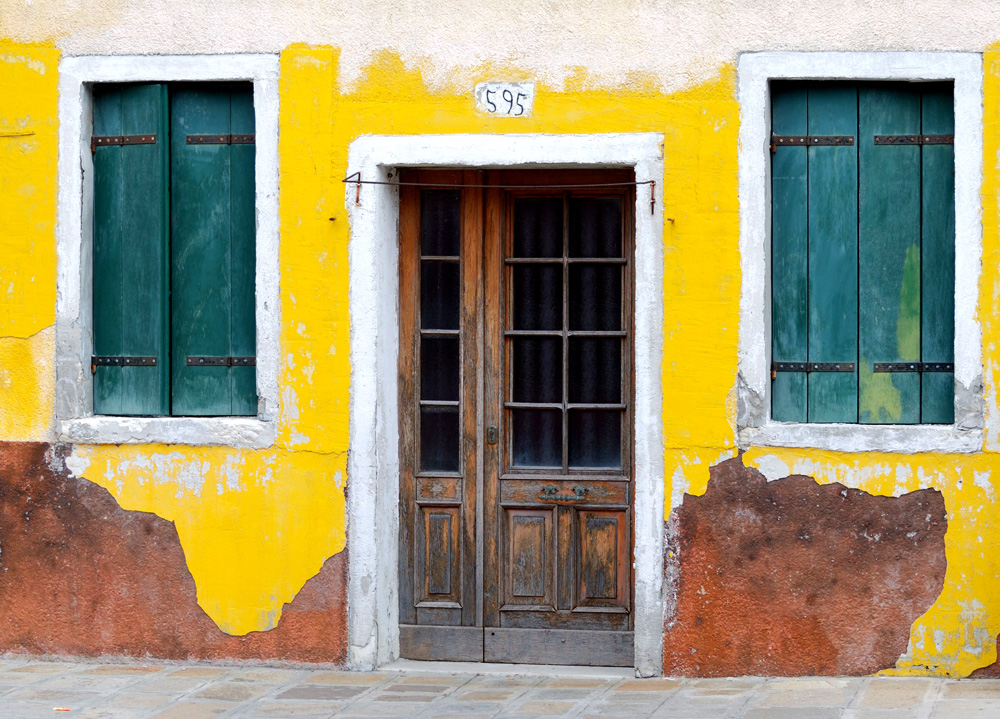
[75, 420]
[373, 459]
[754, 423]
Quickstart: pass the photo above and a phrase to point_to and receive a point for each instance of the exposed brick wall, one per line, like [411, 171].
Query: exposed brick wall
[796, 578]
[81, 576]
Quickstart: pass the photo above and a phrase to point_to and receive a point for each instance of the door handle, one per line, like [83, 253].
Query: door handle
[492, 434]
[551, 493]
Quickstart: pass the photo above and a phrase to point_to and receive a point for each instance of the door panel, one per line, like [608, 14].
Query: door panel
[529, 559]
[527, 383]
[439, 340]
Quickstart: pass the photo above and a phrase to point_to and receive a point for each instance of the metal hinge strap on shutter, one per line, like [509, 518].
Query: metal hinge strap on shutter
[913, 367]
[109, 140]
[221, 139]
[221, 361]
[120, 361]
[812, 367]
[914, 139]
[809, 141]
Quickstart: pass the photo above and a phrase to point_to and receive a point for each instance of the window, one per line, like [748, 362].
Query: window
[174, 249]
[760, 76]
[863, 252]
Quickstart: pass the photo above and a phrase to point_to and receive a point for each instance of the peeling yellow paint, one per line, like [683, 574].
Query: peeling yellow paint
[958, 634]
[28, 156]
[256, 525]
[27, 386]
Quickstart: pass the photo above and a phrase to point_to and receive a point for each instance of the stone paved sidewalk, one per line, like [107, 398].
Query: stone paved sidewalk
[33, 689]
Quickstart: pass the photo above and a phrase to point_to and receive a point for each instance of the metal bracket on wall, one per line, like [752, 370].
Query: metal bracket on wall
[108, 140]
[914, 139]
[809, 141]
[221, 361]
[221, 139]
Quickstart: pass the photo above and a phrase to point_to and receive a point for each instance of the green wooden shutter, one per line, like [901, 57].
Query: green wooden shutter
[889, 254]
[867, 234]
[814, 253]
[131, 239]
[937, 319]
[833, 253]
[790, 255]
[212, 257]
[243, 329]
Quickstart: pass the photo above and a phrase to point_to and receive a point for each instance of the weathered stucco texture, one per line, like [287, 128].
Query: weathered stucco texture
[795, 578]
[251, 543]
[664, 46]
[81, 576]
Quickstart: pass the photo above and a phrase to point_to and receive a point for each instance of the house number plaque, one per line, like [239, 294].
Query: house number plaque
[505, 99]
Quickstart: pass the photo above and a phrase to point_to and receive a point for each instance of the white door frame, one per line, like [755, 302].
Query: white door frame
[373, 461]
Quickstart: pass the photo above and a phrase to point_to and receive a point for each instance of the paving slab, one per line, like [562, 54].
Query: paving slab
[231, 691]
[122, 670]
[291, 710]
[321, 693]
[350, 678]
[894, 693]
[193, 710]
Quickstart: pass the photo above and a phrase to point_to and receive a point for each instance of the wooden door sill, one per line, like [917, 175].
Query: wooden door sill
[554, 670]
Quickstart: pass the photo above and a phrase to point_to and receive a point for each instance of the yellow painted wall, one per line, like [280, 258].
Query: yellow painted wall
[255, 525]
[958, 634]
[28, 155]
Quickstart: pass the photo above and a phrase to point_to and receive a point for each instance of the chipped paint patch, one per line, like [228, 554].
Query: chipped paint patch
[27, 384]
[254, 526]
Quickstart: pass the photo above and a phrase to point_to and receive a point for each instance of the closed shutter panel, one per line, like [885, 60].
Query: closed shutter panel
[814, 254]
[937, 319]
[243, 328]
[131, 239]
[875, 223]
[889, 255]
[213, 222]
[833, 254]
[789, 256]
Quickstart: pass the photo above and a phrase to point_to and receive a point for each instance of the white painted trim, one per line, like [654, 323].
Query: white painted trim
[373, 460]
[755, 426]
[74, 234]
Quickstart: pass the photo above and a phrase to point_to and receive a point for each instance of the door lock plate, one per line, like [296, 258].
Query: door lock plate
[492, 434]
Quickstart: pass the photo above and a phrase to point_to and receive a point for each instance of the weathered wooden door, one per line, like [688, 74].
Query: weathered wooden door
[515, 403]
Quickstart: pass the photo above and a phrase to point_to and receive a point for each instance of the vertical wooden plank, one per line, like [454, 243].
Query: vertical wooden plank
[833, 247]
[200, 260]
[889, 254]
[108, 304]
[789, 253]
[409, 288]
[937, 262]
[471, 338]
[243, 247]
[493, 455]
[130, 250]
[566, 564]
[145, 390]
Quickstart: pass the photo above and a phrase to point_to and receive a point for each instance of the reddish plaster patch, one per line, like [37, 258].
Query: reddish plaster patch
[794, 578]
[81, 576]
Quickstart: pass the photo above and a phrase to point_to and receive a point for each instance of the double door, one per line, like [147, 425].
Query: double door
[515, 374]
